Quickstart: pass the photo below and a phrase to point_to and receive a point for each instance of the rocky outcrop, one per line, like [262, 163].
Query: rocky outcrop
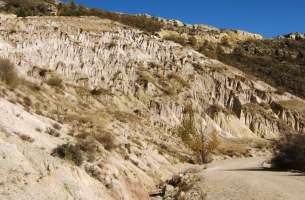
[295, 36]
[292, 112]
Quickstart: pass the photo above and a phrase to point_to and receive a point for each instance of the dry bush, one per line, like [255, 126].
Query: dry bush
[26, 138]
[89, 147]
[69, 152]
[213, 110]
[52, 132]
[125, 117]
[179, 79]
[56, 126]
[55, 82]
[94, 171]
[289, 153]
[111, 45]
[27, 101]
[8, 73]
[199, 143]
[177, 39]
[147, 24]
[106, 139]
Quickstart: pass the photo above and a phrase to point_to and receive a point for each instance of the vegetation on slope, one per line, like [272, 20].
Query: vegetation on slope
[289, 153]
[279, 62]
[24, 8]
[8, 73]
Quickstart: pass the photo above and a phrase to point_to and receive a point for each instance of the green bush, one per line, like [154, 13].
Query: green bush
[289, 153]
[8, 73]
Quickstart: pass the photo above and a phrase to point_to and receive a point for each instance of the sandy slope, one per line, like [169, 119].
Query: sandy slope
[244, 179]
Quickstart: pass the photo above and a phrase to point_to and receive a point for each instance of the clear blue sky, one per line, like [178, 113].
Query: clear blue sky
[267, 17]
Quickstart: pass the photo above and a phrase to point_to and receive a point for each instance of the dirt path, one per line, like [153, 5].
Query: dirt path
[244, 179]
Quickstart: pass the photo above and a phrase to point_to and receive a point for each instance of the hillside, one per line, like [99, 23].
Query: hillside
[94, 106]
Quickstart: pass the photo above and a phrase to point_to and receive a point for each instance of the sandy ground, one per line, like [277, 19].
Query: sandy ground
[245, 179]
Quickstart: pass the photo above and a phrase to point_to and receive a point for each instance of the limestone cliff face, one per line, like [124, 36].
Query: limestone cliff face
[136, 86]
[164, 76]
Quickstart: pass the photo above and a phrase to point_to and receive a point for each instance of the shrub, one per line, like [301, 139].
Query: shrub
[26, 138]
[276, 61]
[8, 73]
[27, 101]
[56, 126]
[106, 139]
[148, 24]
[69, 152]
[52, 132]
[24, 8]
[177, 39]
[289, 153]
[55, 82]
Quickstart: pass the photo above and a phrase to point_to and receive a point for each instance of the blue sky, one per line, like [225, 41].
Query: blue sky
[267, 17]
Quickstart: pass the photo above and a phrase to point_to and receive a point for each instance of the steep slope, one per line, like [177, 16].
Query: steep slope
[279, 61]
[117, 97]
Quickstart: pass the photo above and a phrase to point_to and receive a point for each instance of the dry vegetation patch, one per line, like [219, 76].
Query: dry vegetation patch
[8, 73]
[289, 153]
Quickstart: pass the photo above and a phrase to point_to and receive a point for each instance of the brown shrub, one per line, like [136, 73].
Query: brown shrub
[8, 73]
[55, 82]
[106, 139]
[52, 132]
[56, 126]
[289, 153]
[177, 39]
[27, 101]
[26, 138]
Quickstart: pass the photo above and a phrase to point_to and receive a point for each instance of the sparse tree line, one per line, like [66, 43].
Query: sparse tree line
[24, 8]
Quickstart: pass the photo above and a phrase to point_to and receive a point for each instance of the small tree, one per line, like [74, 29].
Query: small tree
[199, 143]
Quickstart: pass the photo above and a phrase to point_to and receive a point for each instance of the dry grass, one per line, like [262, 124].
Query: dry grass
[125, 117]
[179, 79]
[242, 147]
[233, 148]
[293, 105]
[177, 39]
